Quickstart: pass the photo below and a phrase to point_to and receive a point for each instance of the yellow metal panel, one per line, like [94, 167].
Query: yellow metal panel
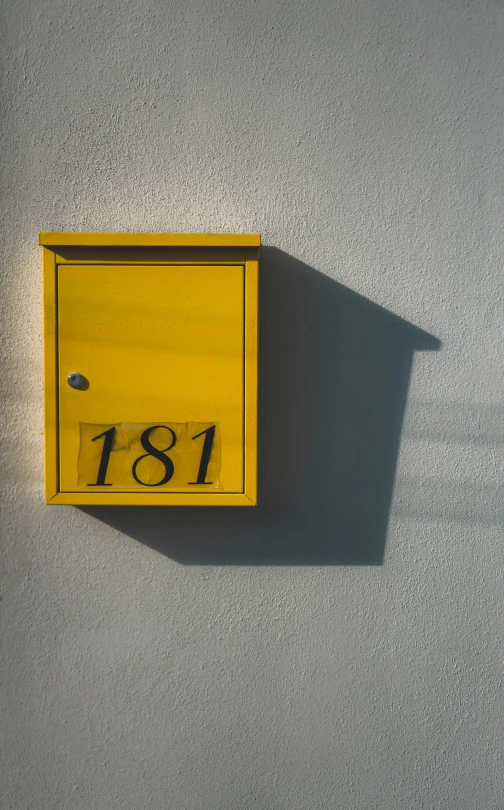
[151, 239]
[150, 499]
[251, 353]
[154, 321]
[71, 254]
[50, 375]
[156, 344]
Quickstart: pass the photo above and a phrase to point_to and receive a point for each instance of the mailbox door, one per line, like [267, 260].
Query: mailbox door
[156, 344]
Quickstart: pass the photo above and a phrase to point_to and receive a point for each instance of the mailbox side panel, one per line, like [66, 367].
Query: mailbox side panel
[251, 373]
[50, 374]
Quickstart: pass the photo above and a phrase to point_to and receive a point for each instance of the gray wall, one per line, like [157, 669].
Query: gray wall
[340, 646]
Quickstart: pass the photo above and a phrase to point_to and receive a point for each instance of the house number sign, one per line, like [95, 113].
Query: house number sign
[162, 456]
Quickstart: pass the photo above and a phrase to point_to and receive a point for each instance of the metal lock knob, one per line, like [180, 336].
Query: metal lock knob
[76, 380]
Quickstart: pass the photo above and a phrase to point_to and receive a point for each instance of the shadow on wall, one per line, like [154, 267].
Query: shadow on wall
[334, 375]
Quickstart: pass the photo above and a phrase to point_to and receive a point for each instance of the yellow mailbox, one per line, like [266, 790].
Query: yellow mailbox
[150, 368]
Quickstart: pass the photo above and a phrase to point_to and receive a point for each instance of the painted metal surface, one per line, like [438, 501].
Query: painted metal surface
[168, 350]
[51, 238]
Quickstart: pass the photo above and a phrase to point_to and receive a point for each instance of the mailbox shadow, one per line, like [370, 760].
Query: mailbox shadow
[333, 383]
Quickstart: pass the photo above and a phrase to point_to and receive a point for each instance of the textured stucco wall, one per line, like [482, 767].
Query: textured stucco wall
[364, 139]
